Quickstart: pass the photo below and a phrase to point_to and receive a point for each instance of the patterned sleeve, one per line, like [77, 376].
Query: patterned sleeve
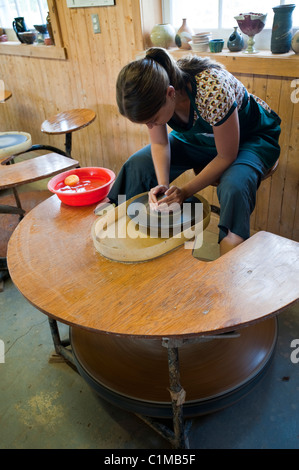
[215, 97]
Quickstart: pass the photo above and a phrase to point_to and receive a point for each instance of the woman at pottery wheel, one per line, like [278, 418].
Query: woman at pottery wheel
[219, 128]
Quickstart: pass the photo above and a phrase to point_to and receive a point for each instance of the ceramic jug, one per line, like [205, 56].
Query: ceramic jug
[19, 26]
[184, 35]
[235, 42]
[282, 29]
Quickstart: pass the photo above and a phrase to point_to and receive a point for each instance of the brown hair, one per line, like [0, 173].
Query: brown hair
[141, 85]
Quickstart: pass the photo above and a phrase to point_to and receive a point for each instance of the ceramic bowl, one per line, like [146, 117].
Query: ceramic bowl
[94, 185]
[41, 28]
[251, 23]
[216, 45]
[200, 47]
[28, 37]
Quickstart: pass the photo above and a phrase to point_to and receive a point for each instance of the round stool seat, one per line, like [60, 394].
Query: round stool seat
[12, 143]
[68, 121]
[5, 95]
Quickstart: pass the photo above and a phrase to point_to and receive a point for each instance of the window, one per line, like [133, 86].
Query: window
[33, 11]
[217, 16]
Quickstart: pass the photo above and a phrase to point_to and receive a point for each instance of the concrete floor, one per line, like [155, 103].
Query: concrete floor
[47, 405]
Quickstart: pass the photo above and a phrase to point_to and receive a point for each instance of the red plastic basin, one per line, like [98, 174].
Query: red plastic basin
[83, 194]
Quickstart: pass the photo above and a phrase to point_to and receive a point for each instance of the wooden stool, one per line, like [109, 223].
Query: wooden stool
[68, 122]
[12, 143]
[5, 95]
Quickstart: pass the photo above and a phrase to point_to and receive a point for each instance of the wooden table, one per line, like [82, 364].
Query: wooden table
[174, 299]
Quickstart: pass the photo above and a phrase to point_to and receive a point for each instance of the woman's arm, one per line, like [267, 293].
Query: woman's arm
[160, 149]
[227, 144]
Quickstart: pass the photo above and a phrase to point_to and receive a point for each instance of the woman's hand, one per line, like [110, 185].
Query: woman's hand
[154, 192]
[173, 195]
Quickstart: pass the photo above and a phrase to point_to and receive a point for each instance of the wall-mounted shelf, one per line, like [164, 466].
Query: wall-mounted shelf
[33, 50]
[262, 63]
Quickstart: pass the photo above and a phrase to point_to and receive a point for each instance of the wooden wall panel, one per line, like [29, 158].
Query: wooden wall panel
[42, 87]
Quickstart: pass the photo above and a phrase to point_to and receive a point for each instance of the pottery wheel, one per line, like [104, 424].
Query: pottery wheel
[164, 222]
[131, 232]
[132, 373]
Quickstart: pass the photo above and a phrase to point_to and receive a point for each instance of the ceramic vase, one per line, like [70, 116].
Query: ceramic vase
[162, 35]
[184, 36]
[295, 42]
[282, 29]
[49, 28]
[235, 42]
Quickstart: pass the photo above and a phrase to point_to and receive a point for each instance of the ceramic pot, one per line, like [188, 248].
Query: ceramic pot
[295, 42]
[216, 45]
[282, 29]
[235, 42]
[27, 37]
[163, 35]
[184, 36]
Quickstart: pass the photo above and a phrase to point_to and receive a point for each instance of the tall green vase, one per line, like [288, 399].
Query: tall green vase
[282, 29]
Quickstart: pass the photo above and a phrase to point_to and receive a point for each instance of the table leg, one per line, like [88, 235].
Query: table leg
[59, 345]
[178, 437]
[177, 394]
[68, 144]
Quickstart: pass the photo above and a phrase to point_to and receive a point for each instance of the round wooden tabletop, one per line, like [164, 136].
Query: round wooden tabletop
[53, 262]
[68, 121]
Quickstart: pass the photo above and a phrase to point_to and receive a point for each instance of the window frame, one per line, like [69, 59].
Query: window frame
[57, 51]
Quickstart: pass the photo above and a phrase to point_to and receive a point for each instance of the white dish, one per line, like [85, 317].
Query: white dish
[201, 47]
[200, 39]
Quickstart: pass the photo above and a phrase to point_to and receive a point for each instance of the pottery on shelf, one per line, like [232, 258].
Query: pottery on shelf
[235, 42]
[216, 45]
[200, 41]
[282, 32]
[41, 28]
[251, 24]
[162, 35]
[295, 42]
[184, 35]
[27, 37]
[49, 28]
[19, 26]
